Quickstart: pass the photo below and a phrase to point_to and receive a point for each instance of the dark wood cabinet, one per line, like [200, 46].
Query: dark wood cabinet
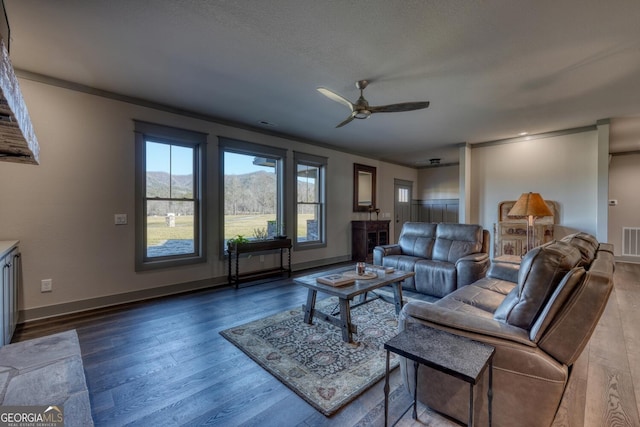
[366, 235]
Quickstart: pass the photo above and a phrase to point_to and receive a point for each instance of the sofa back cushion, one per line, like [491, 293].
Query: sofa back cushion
[556, 302]
[569, 331]
[585, 243]
[541, 270]
[417, 238]
[454, 241]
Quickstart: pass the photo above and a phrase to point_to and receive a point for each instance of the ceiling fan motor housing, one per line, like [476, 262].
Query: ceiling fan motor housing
[362, 110]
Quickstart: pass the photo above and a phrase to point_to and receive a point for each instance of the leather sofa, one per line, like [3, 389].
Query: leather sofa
[444, 256]
[539, 316]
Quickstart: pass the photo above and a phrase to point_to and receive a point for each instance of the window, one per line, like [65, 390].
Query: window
[403, 195]
[169, 196]
[252, 190]
[310, 198]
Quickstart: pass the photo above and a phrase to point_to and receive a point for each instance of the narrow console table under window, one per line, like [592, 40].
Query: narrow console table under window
[236, 250]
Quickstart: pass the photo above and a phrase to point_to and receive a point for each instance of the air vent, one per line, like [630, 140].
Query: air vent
[630, 241]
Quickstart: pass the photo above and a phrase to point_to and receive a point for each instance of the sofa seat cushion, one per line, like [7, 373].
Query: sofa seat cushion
[437, 278]
[541, 271]
[404, 263]
[499, 286]
[401, 262]
[477, 300]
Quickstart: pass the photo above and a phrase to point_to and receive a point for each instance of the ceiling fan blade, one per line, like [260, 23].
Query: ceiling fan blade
[335, 97]
[347, 120]
[395, 108]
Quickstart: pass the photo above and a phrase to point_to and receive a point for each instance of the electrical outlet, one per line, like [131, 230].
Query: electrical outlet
[120, 219]
[46, 285]
[261, 258]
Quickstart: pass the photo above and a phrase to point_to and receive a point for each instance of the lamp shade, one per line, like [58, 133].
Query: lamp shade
[530, 204]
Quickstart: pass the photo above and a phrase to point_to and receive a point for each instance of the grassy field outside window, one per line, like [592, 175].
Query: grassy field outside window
[159, 232]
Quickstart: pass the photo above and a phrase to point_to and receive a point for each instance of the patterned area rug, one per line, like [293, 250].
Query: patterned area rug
[312, 360]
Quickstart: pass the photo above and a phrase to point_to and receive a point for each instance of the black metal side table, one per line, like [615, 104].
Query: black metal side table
[452, 354]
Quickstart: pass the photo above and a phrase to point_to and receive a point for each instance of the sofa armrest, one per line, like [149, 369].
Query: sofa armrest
[477, 257]
[463, 323]
[382, 251]
[504, 271]
[471, 268]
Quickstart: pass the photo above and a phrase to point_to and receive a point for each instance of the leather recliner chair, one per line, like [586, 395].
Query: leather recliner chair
[539, 316]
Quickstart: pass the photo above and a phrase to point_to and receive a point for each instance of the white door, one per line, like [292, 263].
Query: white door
[402, 205]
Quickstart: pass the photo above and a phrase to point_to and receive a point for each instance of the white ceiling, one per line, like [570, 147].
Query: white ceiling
[490, 68]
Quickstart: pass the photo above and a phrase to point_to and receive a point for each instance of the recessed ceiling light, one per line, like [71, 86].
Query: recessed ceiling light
[522, 133]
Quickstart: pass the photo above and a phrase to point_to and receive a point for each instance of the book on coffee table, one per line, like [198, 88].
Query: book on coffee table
[383, 268]
[335, 280]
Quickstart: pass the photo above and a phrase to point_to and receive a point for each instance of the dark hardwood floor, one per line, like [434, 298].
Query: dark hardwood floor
[163, 362]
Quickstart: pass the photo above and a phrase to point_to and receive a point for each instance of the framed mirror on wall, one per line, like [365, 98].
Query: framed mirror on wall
[364, 187]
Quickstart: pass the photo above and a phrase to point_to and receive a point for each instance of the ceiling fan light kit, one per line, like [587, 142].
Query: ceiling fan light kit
[362, 110]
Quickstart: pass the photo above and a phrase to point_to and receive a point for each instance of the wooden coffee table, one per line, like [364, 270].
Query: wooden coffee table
[346, 294]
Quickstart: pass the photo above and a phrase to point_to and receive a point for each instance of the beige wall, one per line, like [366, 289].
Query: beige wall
[569, 175]
[624, 176]
[62, 211]
[563, 168]
[441, 182]
[560, 168]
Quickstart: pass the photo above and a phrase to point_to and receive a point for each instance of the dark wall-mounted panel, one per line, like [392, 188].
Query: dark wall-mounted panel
[436, 210]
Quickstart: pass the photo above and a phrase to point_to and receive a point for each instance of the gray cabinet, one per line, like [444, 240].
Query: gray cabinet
[10, 264]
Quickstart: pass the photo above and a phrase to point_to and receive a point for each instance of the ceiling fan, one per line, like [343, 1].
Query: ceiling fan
[362, 110]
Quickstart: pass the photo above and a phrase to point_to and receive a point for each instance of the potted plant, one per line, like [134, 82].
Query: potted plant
[234, 241]
[260, 233]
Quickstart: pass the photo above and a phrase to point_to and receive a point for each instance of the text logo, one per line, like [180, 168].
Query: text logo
[31, 416]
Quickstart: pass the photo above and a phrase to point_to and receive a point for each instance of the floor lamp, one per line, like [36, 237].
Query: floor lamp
[530, 206]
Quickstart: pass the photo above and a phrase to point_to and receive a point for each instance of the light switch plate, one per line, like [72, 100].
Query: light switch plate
[120, 219]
